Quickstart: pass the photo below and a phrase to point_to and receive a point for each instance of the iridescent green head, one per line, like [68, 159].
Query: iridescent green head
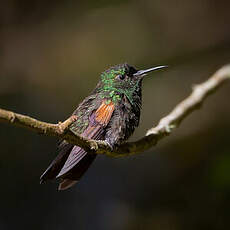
[122, 80]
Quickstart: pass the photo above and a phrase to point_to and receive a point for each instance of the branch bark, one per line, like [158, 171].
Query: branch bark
[164, 128]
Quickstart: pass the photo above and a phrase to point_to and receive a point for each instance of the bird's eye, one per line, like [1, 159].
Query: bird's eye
[121, 77]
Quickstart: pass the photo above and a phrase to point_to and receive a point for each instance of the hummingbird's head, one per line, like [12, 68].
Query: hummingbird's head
[122, 80]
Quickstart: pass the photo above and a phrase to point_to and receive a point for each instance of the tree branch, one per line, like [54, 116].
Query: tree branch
[164, 128]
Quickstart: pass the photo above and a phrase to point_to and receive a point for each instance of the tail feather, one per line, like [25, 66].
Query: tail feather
[73, 175]
[57, 164]
[66, 183]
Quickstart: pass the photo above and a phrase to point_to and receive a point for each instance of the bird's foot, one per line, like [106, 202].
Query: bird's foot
[94, 145]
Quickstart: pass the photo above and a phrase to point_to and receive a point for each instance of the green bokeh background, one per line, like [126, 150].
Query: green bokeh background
[51, 56]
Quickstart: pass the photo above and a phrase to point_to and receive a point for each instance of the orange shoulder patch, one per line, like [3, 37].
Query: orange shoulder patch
[104, 112]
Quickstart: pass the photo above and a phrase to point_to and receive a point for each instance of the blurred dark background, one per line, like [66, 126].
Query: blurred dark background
[51, 56]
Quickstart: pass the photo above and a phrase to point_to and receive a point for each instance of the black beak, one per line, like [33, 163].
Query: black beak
[144, 72]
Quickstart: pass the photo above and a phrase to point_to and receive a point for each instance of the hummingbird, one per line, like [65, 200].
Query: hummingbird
[110, 113]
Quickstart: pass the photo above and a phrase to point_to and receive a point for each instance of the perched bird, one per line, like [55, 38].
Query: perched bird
[111, 113]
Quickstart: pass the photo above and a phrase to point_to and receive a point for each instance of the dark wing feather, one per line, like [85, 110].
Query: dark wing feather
[77, 154]
[73, 161]
[98, 120]
[54, 168]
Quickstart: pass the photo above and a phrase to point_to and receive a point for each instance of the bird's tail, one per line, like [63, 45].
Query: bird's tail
[74, 175]
[70, 164]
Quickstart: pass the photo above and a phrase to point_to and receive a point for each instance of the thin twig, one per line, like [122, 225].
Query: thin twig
[153, 135]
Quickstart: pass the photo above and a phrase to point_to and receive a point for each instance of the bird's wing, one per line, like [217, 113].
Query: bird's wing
[70, 155]
[98, 120]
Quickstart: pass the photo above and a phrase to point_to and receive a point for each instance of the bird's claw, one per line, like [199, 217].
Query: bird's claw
[109, 145]
[94, 145]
